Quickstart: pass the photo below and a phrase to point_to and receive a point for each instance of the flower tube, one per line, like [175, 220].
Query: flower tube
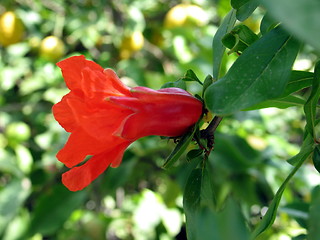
[104, 117]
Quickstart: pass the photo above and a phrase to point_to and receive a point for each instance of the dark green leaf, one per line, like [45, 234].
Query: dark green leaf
[236, 4]
[311, 104]
[246, 10]
[298, 80]
[191, 76]
[239, 38]
[217, 47]
[194, 153]
[316, 158]
[267, 24]
[179, 149]
[314, 223]
[301, 18]
[198, 192]
[53, 209]
[271, 214]
[207, 82]
[260, 73]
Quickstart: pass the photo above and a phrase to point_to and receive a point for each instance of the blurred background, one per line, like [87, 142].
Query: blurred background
[148, 43]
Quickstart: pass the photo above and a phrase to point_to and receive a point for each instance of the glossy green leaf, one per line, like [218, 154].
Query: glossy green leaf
[271, 214]
[311, 105]
[316, 158]
[217, 47]
[260, 73]
[198, 192]
[301, 18]
[53, 210]
[314, 223]
[179, 149]
[11, 199]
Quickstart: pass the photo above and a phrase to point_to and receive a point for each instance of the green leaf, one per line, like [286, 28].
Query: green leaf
[190, 76]
[198, 192]
[301, 18]
[316, 158]
[53, 209]
[194, 153]
[314, 223]
[260, 73]
[306, 149]
[246, 10]
[267, 24]
[284, 102]
[239, 38]
[217, 47]
[179, 149]
[227, 224]
[298, 80]
[271, 214]
[207, 82]
[236, 4]
[11, 199]
[311, 105]
[178, 84]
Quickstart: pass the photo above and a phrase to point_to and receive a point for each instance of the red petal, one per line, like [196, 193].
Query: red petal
[79, 177]
[79, 145]
[62, 112]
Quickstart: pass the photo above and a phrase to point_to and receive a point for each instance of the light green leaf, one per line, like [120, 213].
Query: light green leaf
[217, 47]
[259, 74]
[301, 18]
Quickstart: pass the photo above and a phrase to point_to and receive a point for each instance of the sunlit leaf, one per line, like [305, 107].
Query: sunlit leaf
[260, 73]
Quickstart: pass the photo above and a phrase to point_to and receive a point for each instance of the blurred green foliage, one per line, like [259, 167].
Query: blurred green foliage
[138, 200]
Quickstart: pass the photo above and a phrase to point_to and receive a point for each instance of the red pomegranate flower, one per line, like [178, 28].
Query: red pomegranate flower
[104, 117]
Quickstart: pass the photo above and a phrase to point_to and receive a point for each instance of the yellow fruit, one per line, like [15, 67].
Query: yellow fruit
[185, 15]
[130, 44]
[52, 48]
[11, 29]
[176, 17]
